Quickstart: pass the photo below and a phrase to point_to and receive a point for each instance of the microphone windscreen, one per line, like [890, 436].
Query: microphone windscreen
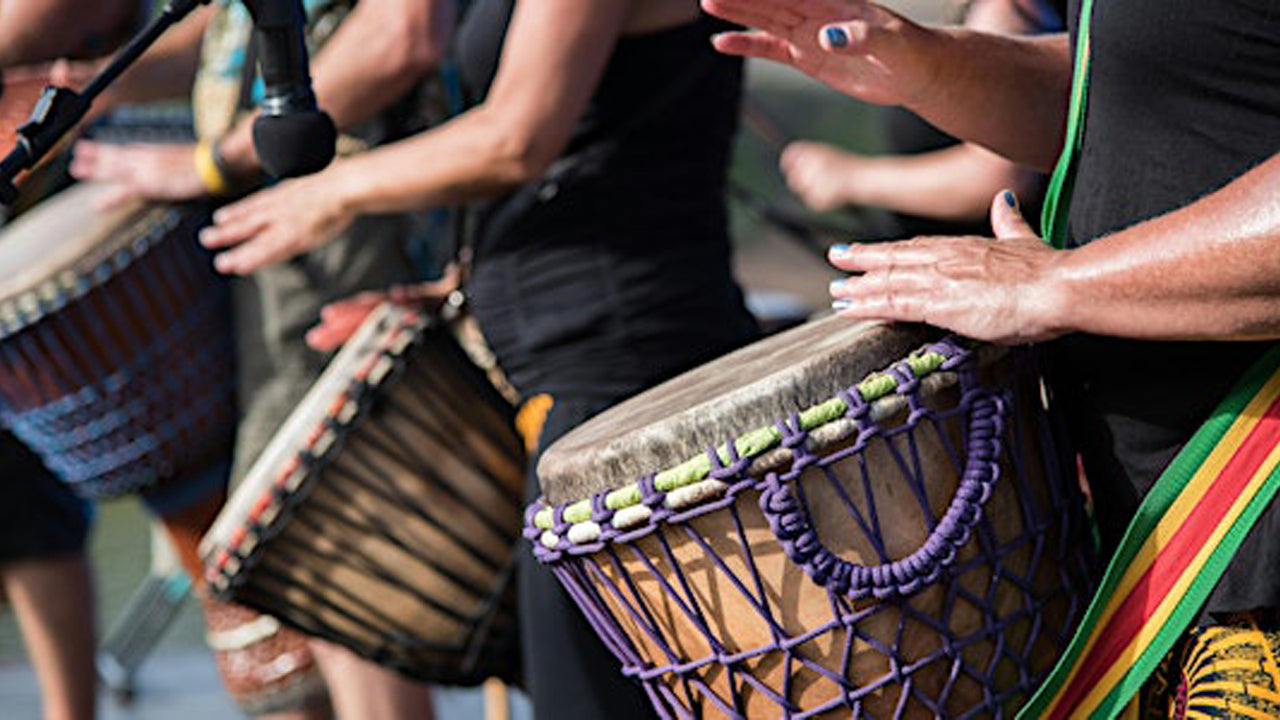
[294, 144]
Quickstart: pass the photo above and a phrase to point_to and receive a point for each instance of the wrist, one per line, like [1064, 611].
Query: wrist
[1054, 302]
[238, 156]
[345, 187]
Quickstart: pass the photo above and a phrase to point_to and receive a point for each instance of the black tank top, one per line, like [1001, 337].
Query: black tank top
[612, 271]
[1184, 97]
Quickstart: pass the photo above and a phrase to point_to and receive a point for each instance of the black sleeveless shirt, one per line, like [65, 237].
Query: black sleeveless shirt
[1184, 97]
[612, 271]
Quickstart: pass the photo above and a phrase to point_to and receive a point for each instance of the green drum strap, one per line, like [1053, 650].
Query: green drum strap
[1057, 201]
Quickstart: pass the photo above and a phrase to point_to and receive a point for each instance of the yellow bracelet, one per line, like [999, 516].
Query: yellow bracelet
[215, 183]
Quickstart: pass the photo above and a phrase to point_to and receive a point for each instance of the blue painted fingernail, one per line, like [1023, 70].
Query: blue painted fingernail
[836, 286]
[1010, 200]
[839, 305]
[840, 249]
[837, 37]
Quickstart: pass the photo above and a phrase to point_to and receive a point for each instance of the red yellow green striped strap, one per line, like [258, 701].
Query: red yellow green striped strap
[1185, 533]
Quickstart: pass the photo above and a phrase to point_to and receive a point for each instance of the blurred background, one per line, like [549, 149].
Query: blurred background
[778, 261]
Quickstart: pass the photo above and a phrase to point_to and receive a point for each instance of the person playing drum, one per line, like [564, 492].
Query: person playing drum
[602, 261]
[1161, 301]
[44, 571]
[273, 308]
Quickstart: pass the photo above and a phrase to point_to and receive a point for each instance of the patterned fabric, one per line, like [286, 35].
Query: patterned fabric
[1218, 671]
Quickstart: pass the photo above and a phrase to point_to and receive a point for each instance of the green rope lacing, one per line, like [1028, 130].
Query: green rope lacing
[749, 445]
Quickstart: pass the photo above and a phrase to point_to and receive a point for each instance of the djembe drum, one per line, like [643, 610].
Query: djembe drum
[114, 343]
[384, 514]
[784, 532]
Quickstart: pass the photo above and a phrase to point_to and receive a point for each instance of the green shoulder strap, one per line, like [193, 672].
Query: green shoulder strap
[1057, 201]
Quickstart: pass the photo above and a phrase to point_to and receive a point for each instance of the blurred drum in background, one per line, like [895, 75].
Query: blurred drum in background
[384, 513]
[115, 344]
[795, 530]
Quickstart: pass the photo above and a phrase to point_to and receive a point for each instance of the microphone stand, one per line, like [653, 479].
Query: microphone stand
[60, 109]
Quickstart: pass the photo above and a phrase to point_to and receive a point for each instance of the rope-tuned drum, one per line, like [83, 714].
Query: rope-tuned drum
[792, 531]
[385, 512]
[115, 344]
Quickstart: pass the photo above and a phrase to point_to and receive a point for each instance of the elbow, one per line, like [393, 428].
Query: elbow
[518, 157]
[413, 55]
[519, 163]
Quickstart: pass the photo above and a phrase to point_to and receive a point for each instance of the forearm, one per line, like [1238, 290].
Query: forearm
[955, 183]
[1209, 270]
[474, 156]
[1008, 94]
[167, 71]
[411, 37]
[34, 31]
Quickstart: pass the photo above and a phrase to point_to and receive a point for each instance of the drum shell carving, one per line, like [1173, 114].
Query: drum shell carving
[119, 369]
[390, 525]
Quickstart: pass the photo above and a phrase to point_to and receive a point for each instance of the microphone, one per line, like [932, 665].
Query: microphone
[292, 135]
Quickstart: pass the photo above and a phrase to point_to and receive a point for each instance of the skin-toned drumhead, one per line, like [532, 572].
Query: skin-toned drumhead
[65, 232]
[296, 431]
[748, 389]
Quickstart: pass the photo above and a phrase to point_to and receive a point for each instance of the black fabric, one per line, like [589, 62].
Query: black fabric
[39, 515]
[573, 675]
[1184, 97]
[613, 269]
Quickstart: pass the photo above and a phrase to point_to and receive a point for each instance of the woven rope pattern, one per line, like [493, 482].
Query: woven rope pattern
[965, 625]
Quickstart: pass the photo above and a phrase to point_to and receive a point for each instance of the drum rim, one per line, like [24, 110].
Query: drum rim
[141, 228]
[374, 358]
[570, 527]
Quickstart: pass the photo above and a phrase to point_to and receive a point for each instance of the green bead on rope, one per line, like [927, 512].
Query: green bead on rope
[750, 445]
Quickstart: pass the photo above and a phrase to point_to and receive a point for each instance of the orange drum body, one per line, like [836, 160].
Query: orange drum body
[384, 514]
[115, 346]
[842, 520]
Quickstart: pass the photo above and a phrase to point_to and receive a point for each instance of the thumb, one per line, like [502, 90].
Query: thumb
[1006, 217]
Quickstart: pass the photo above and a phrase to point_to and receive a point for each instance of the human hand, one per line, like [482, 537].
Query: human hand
[1003, 291]
[824, 177]
[276, 224]
[150, 172]
[856, 47]
[340, 320]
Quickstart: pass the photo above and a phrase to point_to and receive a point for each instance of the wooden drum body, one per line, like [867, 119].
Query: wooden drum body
[384, 514]
[115, 343]
[788, 532]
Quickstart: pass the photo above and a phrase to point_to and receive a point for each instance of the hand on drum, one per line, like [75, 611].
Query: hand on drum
[152, 172]
[340, 320]
[275, 224]
[854, 46]
[1002, 291]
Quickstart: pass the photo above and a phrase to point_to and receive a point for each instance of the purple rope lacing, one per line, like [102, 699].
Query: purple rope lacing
[681, 685]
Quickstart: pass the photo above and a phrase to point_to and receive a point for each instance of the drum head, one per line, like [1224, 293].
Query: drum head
[745, 390]
[66, 233]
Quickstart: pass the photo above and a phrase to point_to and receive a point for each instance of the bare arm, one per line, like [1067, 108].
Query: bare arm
[1006, 94]
[381, 49]
[1210, 270]
[553, 58]
[35, 31]
[955, 183]
[554, 55]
